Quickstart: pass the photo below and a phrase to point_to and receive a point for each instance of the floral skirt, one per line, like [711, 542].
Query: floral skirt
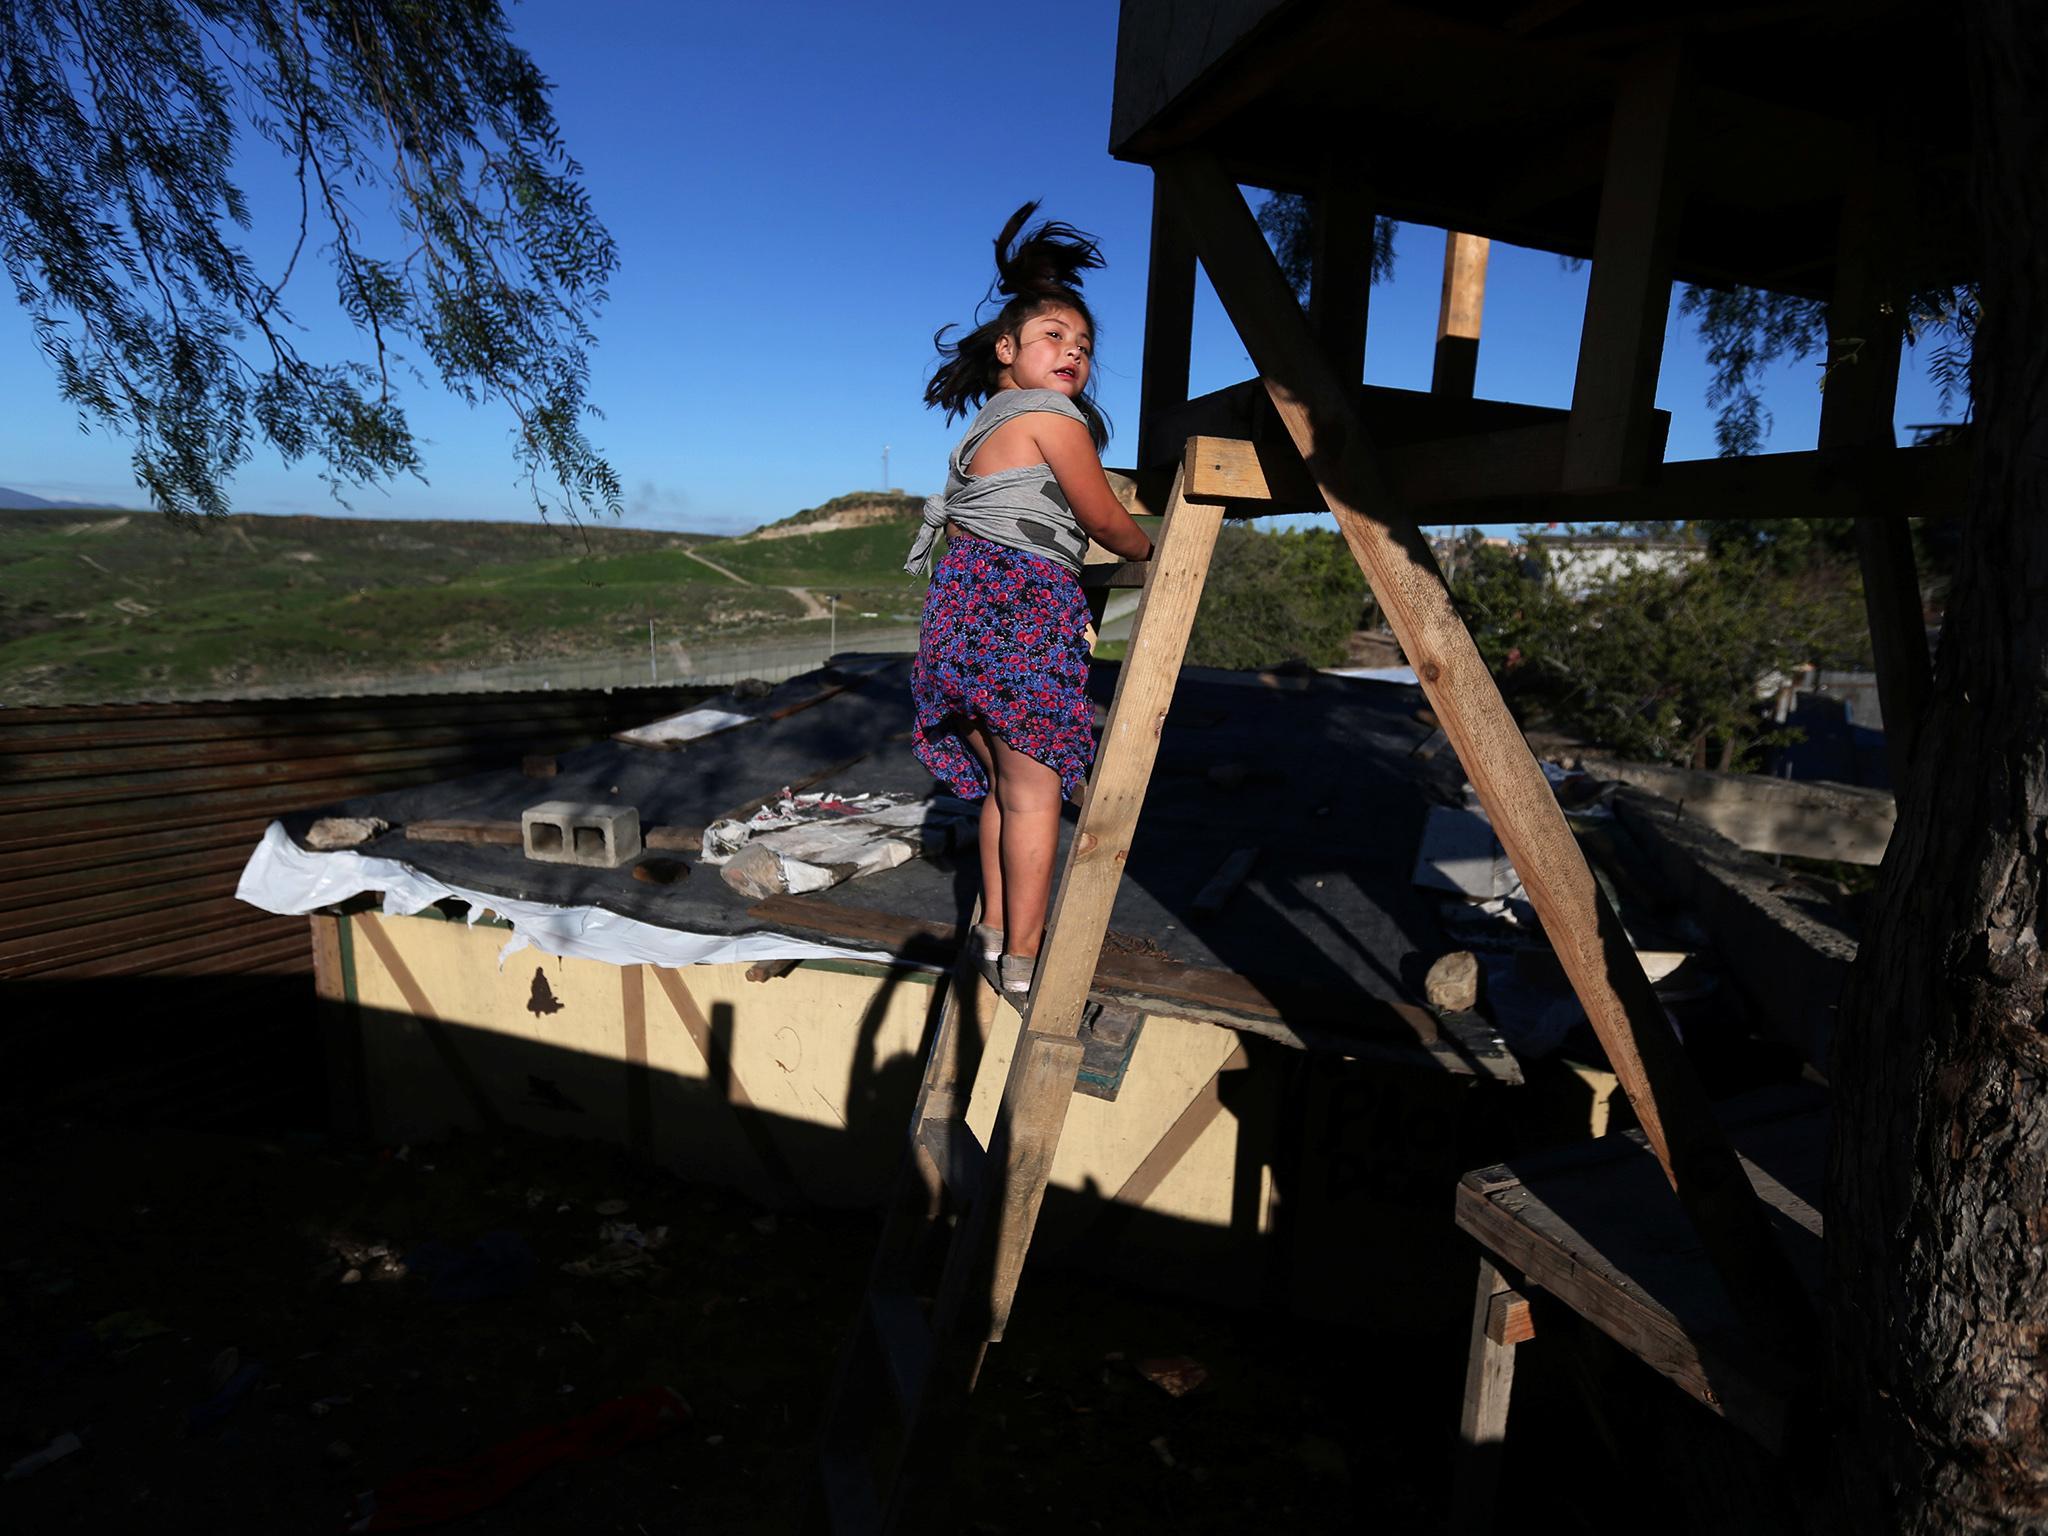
[1003, 642]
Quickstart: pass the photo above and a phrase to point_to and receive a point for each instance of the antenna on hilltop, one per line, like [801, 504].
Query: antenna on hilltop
[885, 466]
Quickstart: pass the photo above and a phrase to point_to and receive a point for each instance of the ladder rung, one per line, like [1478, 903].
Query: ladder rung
[957, 1153]
[849, 1493]
[905, 1343]
[1122, 573]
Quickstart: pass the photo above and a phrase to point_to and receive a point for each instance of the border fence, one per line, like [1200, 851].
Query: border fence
[669, 666]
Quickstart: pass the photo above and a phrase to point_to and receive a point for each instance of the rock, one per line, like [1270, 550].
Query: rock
[332, 832]
[1453, 982]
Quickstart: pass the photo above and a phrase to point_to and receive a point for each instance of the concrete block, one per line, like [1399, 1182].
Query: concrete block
[565, 832]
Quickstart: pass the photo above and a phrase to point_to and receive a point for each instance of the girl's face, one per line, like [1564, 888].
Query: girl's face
[1051, 350]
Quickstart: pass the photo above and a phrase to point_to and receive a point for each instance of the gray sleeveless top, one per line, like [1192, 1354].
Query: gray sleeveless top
[1022, 507]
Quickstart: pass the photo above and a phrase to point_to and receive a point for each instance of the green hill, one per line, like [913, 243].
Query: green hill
[127, 605]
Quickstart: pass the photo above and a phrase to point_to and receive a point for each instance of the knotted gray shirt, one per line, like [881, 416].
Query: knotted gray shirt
[1022, 507]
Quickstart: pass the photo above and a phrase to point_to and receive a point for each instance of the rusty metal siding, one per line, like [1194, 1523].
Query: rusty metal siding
[123, 827]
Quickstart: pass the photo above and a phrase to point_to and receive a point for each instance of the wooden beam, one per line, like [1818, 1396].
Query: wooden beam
[1669, 1102]
[1169, 327]
[1629, 293]
[1340, 279]
[1509, 1320]
[1458, 314]
[1048, 1052]
[1864, 337]
[1483, 1416]
[1468, 480]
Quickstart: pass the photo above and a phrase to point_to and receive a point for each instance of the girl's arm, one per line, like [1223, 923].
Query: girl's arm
[1069, 453]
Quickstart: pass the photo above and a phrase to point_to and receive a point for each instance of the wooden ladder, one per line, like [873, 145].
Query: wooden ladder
[960, 1217]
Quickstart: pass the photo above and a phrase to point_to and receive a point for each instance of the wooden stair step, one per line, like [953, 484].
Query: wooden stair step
[957, 1155]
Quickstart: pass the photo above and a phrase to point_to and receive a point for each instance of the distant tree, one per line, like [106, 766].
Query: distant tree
[1288, 220]
[123, 229]
[1274, 597]
[1659, 664]
[1745, 330]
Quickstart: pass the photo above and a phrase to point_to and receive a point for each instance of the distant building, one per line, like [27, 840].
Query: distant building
[1580, 562]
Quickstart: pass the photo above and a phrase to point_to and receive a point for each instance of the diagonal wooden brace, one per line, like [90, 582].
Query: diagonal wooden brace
[1041, 1082]
[1668, 1099]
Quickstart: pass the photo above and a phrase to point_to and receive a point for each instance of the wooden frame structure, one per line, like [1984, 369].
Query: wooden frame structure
[1642, 145]
[1659, 147]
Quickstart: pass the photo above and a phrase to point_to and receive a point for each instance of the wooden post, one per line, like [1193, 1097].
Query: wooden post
[1457, 318]
[1483, 1420]
[1169, 329]
[1048, 1053]
[1864, 334]
[1340, 274]
[1668, 1100]
[1622, 344]
[341, 1027]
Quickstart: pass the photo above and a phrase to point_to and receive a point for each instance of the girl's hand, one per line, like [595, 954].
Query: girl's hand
[1069, 452]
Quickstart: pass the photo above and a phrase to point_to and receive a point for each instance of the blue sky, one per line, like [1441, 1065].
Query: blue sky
[802, 194]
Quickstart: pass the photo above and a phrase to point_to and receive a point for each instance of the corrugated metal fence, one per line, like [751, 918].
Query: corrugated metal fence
[123, 828]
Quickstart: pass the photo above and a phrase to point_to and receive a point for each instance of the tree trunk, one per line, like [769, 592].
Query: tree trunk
[1937, 1232]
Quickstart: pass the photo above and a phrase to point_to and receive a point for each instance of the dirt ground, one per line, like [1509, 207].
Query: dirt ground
[144, 1271]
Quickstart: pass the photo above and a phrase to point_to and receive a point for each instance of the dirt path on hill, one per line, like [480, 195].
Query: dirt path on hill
[814, 607]
[729, 575]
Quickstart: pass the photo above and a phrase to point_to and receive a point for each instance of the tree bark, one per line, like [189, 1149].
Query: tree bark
[1937, 1232]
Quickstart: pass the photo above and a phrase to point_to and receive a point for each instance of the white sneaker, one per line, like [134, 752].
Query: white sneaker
[1016, 972]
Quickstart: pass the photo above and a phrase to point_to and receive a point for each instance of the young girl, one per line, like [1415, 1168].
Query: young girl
[1000, 680]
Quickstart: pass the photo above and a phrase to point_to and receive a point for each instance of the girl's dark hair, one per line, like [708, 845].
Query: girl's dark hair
[1042, 272]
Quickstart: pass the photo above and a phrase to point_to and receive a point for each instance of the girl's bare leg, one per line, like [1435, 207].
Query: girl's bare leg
[1028, 795]
[991, 830]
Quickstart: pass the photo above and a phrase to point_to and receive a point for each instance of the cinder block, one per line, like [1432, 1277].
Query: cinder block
[564, 832]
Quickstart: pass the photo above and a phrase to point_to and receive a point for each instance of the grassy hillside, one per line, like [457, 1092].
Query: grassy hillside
[109, 605]
[883, 505]
[870, 556]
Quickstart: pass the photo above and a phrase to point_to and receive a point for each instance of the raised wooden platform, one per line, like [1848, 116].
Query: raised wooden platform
[1595, 1229]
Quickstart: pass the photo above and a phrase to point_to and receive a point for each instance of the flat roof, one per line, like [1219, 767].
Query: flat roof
[1491, 117]
[1326, 938]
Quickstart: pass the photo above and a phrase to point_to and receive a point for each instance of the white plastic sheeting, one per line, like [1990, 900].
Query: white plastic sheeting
[282, 877]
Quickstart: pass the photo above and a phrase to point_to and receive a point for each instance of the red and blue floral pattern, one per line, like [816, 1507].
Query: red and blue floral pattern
[1003, 641]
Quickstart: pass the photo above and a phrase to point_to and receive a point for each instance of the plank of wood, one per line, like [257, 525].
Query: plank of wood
[639, 1084]
[1483, 1416]
[1169, 327]
[1224, 883]
[725, 1081]
[1458, 314]
[1864, 334]
[1808, 818]
[1040, 1086]
[1340, 265]
[482, 833]
[1113, 573]
[369, 927]
[1629, 292]
[1475, 479]
[1666, 1095]
[1354, 1024]
[460, 830]
[1508, 1318]
[1094, 864]
[1179, 1138]
[1029, 1121]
